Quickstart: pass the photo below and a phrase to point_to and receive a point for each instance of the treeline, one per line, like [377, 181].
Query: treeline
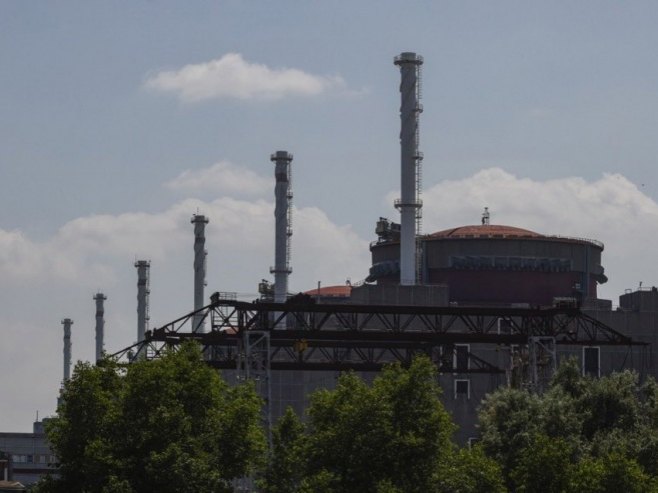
[173, 425]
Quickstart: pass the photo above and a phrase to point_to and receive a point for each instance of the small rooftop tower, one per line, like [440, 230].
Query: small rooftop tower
[100, 324]
[486, 216]
[283, 224]
[200, 256]
[409, 203]
[143, 270]
[67, 322]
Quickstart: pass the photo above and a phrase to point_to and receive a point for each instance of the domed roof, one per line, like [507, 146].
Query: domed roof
[486, 231]
[340, 291]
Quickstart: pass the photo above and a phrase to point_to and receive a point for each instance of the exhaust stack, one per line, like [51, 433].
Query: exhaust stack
[409, 204]
[143, 270]
[283, 224]
[100, 324]
[67, 322]
[200, 256]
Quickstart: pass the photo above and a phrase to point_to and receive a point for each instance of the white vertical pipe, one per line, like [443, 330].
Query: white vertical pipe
[67, 322]
[409, 202]
[200, 254]
[143, 267]
[100, 324]
[283, 229]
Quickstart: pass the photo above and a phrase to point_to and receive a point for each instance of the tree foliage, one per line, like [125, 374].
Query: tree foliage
[391, 434]
[173, 425]
[609, 474]
[572, 437]
[469, 470]
[168, 425]
[284, 472]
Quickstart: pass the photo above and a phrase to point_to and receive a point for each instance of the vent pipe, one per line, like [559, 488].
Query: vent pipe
[100, 324]
[67, 322]
[283, 224]
[200, 255]
[409, 204]
[143, 268]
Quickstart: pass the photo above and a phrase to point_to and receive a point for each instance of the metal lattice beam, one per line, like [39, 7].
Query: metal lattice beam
[365, 337]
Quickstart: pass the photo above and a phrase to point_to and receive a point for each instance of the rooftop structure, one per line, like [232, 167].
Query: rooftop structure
[409, 203]
[283, 224]
[488, 263]
[67, 322]
[143, 278]
[100, 324]
[200, 257]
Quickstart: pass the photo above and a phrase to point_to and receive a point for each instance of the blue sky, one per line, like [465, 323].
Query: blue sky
[547, 112]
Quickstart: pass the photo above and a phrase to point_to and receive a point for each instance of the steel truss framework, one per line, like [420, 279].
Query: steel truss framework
[339, 337]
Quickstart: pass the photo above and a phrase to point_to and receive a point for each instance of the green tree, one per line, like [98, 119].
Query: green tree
[285, 470]
[389, 436]
[82, 434]
[543, 466]
[508, 421]
[611, 402]
[469, 470]
[168, 425]
[610, 474]
[580, 422]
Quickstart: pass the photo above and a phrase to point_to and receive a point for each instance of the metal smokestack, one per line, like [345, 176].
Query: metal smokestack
[200, 255]
[100, 324]
[143, 268]
[67, 322]
[283, 224]
[409, 204]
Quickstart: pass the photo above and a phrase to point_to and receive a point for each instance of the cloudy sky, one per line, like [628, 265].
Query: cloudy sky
[119, 120]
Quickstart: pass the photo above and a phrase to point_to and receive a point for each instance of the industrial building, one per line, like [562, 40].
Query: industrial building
[27, 456]
[491, 304]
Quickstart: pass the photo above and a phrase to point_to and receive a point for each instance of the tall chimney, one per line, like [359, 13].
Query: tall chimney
[409, 203]
[200, 255]
[67, 322]
[283, 224]
[100, 324]
[143, 268]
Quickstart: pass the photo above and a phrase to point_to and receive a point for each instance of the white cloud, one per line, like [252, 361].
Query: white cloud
[94, 246]
[611, 209]
[18, 255]
[231, 76]
[222, 177]
[324, 251]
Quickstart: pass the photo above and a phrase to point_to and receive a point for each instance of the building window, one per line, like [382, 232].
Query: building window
[592, 361]
[462, 389]
[460, 360]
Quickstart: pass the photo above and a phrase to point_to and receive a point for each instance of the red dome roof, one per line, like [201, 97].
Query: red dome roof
[486, 231]
[341, 291]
